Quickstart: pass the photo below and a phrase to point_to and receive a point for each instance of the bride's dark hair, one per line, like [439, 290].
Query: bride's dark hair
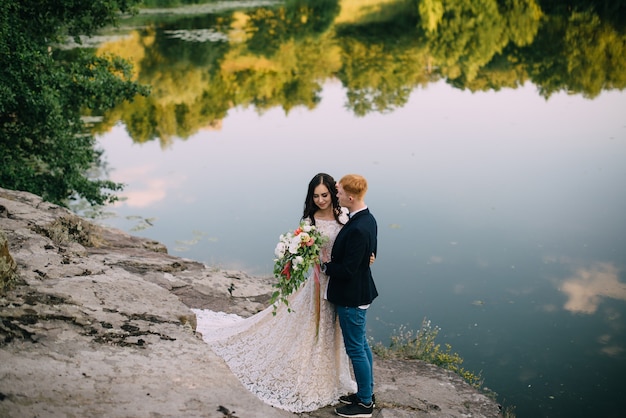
[309, 205]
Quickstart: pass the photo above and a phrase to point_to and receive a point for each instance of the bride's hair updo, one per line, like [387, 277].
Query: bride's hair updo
[309, 205]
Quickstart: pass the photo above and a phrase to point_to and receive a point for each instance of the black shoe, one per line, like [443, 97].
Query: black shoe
[358, 409]
[348, 399]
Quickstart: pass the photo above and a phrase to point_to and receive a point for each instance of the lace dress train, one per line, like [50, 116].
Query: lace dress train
[289, 360]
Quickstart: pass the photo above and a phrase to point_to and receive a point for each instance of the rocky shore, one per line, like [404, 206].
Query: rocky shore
[97, 323]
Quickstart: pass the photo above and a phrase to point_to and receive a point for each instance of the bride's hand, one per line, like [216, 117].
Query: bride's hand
[372, 259]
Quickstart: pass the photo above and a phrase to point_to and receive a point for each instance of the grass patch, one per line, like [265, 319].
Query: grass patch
[8, 268]
[68, 229]
[421, 345]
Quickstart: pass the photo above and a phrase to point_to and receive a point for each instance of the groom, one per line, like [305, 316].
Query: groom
[351, 289]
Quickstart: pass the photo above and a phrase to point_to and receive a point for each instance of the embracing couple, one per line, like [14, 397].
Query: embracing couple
[298, 358]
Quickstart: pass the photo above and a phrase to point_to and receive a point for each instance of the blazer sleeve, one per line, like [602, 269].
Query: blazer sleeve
[353, 261]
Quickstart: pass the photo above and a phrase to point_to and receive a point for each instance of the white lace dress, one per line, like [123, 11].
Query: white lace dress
[283, 359]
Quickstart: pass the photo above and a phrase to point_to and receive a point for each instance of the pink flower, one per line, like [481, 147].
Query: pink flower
[287, 270]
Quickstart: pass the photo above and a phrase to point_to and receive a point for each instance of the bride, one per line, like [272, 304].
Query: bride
[282, 358]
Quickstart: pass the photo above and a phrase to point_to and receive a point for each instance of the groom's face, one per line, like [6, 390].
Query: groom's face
[344, 199]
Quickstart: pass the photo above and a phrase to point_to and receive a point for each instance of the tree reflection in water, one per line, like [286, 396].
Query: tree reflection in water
[280, 56]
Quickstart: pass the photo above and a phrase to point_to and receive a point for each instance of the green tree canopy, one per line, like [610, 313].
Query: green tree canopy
[44, 147]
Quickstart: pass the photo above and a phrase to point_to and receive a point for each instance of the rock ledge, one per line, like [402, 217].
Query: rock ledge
[100, 326]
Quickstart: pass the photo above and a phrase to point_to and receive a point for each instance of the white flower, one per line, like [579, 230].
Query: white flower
[280, 249]
[294, 244]
[304, 237]
[297, 261]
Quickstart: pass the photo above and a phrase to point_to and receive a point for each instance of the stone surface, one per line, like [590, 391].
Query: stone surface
[101, 326]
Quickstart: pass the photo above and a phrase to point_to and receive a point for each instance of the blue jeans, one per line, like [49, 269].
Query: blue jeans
[352, 322]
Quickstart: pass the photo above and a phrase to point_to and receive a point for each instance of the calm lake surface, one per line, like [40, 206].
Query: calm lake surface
[502, 220]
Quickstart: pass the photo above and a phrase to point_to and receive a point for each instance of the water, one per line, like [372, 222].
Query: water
[502, 213]
[502, 219]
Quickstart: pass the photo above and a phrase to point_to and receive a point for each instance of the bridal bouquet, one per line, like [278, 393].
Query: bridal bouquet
[296, 253]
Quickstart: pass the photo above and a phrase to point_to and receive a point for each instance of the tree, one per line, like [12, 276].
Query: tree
[44, 146]
[523, 18]
[577, 53]
[465, 36]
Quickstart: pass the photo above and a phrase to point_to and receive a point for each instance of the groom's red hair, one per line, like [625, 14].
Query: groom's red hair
[354, 184]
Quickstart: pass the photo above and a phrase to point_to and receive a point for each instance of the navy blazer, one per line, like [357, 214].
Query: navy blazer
[350, 277]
